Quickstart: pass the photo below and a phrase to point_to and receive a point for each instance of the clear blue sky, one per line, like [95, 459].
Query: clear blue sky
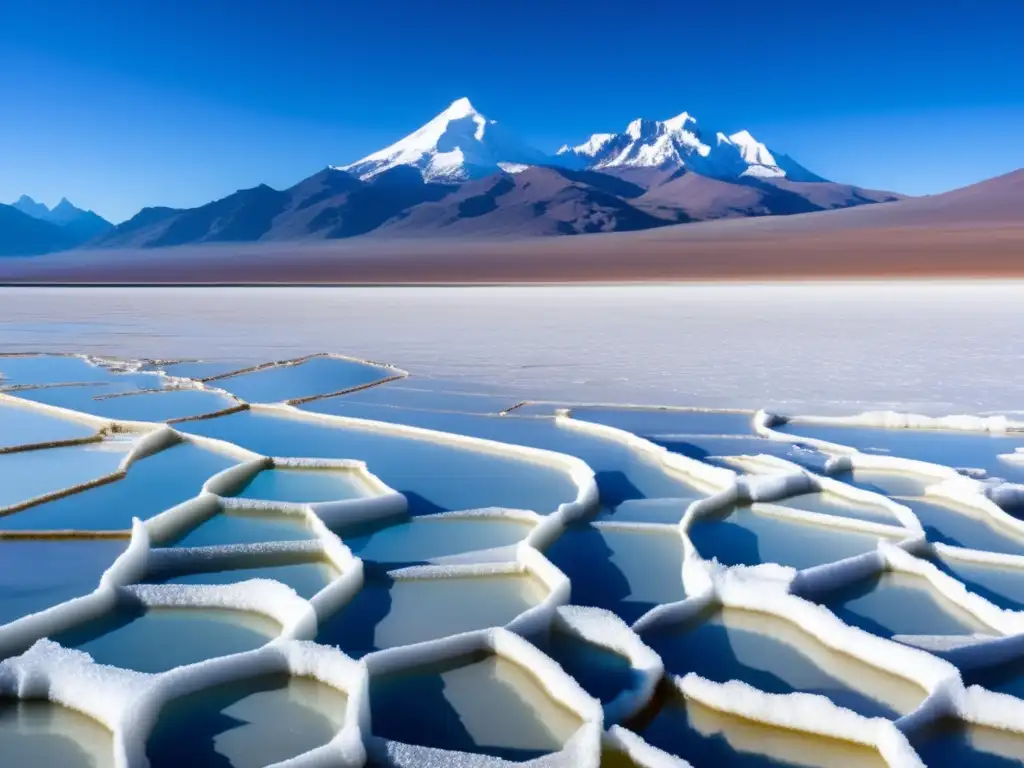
[118, 105]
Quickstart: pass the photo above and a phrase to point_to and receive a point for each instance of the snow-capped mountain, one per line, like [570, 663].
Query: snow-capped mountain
[679, 143]
[458, 144]
[461, 144]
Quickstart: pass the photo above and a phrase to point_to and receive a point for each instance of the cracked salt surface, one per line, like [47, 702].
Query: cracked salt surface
[785, 601]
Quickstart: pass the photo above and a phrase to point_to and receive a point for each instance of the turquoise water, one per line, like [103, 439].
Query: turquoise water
[485, 705]
[318, 376]
[388, 613]
[153, 484]
[304, 485]
[246, 527]
[26, 588]
[37, 733]
[423, 539]
[160, 639]
[20, 426]
[626, 571]
[433, 475]
[28, 474]
[747, 537]
[247, 724]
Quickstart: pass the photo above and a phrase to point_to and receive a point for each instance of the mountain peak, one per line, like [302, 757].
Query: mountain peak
[677, 142]
[679, 122]
[36, 210]
[65, 205]
[460, 108]
[458, 144]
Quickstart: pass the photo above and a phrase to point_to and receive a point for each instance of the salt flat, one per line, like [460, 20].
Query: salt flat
[932, 347]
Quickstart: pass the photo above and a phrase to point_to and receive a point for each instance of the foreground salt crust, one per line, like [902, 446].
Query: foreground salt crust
[131, 702]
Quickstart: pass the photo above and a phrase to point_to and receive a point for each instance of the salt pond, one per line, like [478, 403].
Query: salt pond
[247, 724]
[483, 705]
[621, 540]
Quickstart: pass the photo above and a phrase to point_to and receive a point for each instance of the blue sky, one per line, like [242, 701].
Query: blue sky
[118, 105]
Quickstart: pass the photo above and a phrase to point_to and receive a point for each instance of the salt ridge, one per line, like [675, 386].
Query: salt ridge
[132, 701]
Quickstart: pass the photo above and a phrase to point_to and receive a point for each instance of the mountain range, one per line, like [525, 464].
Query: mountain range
[28, 227]
[464, 175]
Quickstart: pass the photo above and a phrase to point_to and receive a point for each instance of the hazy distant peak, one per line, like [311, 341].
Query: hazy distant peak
[26, 204]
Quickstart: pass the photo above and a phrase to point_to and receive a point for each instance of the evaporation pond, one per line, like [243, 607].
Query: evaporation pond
[305, 578]
[306, 485]
[161, 406]
[776, 656]
[626, 570]
[50, 369]
[895, 603]
[484, 705]
[421, 398]
[953, 744]
[28, 474]
[160, 639]
[751, 537]
[1006, 677]
[202, 369]
[153, 484]
[709, 447]
[668, 421]
[34, 734]
[962, 526]
[621, 472]
[603, 674]
[424, 539]
[251, 723]
[826, 503]
[435, 475]
[888, 483]
[72, 568]
[21, 425]
[707, 737]
[1000, 585]
[977, 450]
[317, 376]
[387, 613]
[246, 527]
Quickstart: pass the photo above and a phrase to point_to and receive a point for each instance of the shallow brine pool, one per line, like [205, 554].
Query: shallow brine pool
[501, 513]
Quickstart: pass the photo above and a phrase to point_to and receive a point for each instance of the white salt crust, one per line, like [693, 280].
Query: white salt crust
[131, 702]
